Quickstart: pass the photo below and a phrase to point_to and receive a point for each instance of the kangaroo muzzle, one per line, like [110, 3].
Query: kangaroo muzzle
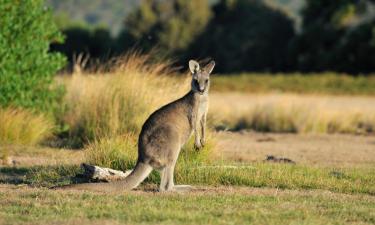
[201, 90]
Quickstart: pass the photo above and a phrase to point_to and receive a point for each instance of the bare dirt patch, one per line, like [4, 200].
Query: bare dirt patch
[309, 149]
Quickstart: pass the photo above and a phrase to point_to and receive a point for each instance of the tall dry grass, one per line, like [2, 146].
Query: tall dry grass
[294, 113]
[20, 126]
[107, 104]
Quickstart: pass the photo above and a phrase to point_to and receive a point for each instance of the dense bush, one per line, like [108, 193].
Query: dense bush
[26, 66]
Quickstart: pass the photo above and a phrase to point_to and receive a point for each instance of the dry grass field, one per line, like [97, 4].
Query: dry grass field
[329, 137]
[311, 147]
[294, 113]
[276, 194]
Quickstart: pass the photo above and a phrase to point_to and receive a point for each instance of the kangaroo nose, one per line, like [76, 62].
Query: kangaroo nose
[201, 89]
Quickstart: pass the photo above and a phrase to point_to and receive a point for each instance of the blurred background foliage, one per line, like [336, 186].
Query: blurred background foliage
[241, 35]
[27, 69]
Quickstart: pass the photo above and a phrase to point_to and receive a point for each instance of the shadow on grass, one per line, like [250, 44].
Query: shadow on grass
[42, 176]
[52, 176]
[13, 175]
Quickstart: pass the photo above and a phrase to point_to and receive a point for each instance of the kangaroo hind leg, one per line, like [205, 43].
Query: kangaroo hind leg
[166, 181]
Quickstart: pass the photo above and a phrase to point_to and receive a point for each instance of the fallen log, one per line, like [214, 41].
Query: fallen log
[103, 174]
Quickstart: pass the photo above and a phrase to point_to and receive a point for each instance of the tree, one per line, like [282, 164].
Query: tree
[96, 43]
[26, 66]
[246, 35]
[169, 25]
[336, 35]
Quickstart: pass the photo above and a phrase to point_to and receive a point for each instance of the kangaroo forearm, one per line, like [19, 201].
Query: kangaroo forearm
[197, 135]
[203, 127]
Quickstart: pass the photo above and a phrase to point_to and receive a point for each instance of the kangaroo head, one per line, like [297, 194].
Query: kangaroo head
[200, 82]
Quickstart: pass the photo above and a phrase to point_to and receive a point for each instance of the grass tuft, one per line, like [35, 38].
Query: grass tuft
[190, 156]
[117, 153]
[20, 126]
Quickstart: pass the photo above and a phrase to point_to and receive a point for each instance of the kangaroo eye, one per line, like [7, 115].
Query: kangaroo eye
[196, 83]
[206, 81]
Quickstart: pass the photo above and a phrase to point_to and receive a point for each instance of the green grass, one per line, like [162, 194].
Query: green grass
[324, 83]
[359, 180]
[274, 207]
[293, 177]
[259, 193]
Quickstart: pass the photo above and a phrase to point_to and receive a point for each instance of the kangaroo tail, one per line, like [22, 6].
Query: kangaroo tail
[139, 174]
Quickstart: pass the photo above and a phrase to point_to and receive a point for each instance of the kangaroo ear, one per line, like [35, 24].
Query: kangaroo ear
[193, 66]
[209, 67]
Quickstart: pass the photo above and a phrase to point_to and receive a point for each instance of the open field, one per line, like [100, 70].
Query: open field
[293, 113]
[329, 137]
[332, 183]
[307, 149]
[288, 138]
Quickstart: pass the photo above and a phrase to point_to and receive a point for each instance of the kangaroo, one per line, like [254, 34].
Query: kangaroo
[164, 133]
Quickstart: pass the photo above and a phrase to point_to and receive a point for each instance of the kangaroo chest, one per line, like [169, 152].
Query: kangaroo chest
[202, 107]
[199, 109]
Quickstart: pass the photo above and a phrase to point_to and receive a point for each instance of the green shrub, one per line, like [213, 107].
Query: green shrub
[26, 66]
